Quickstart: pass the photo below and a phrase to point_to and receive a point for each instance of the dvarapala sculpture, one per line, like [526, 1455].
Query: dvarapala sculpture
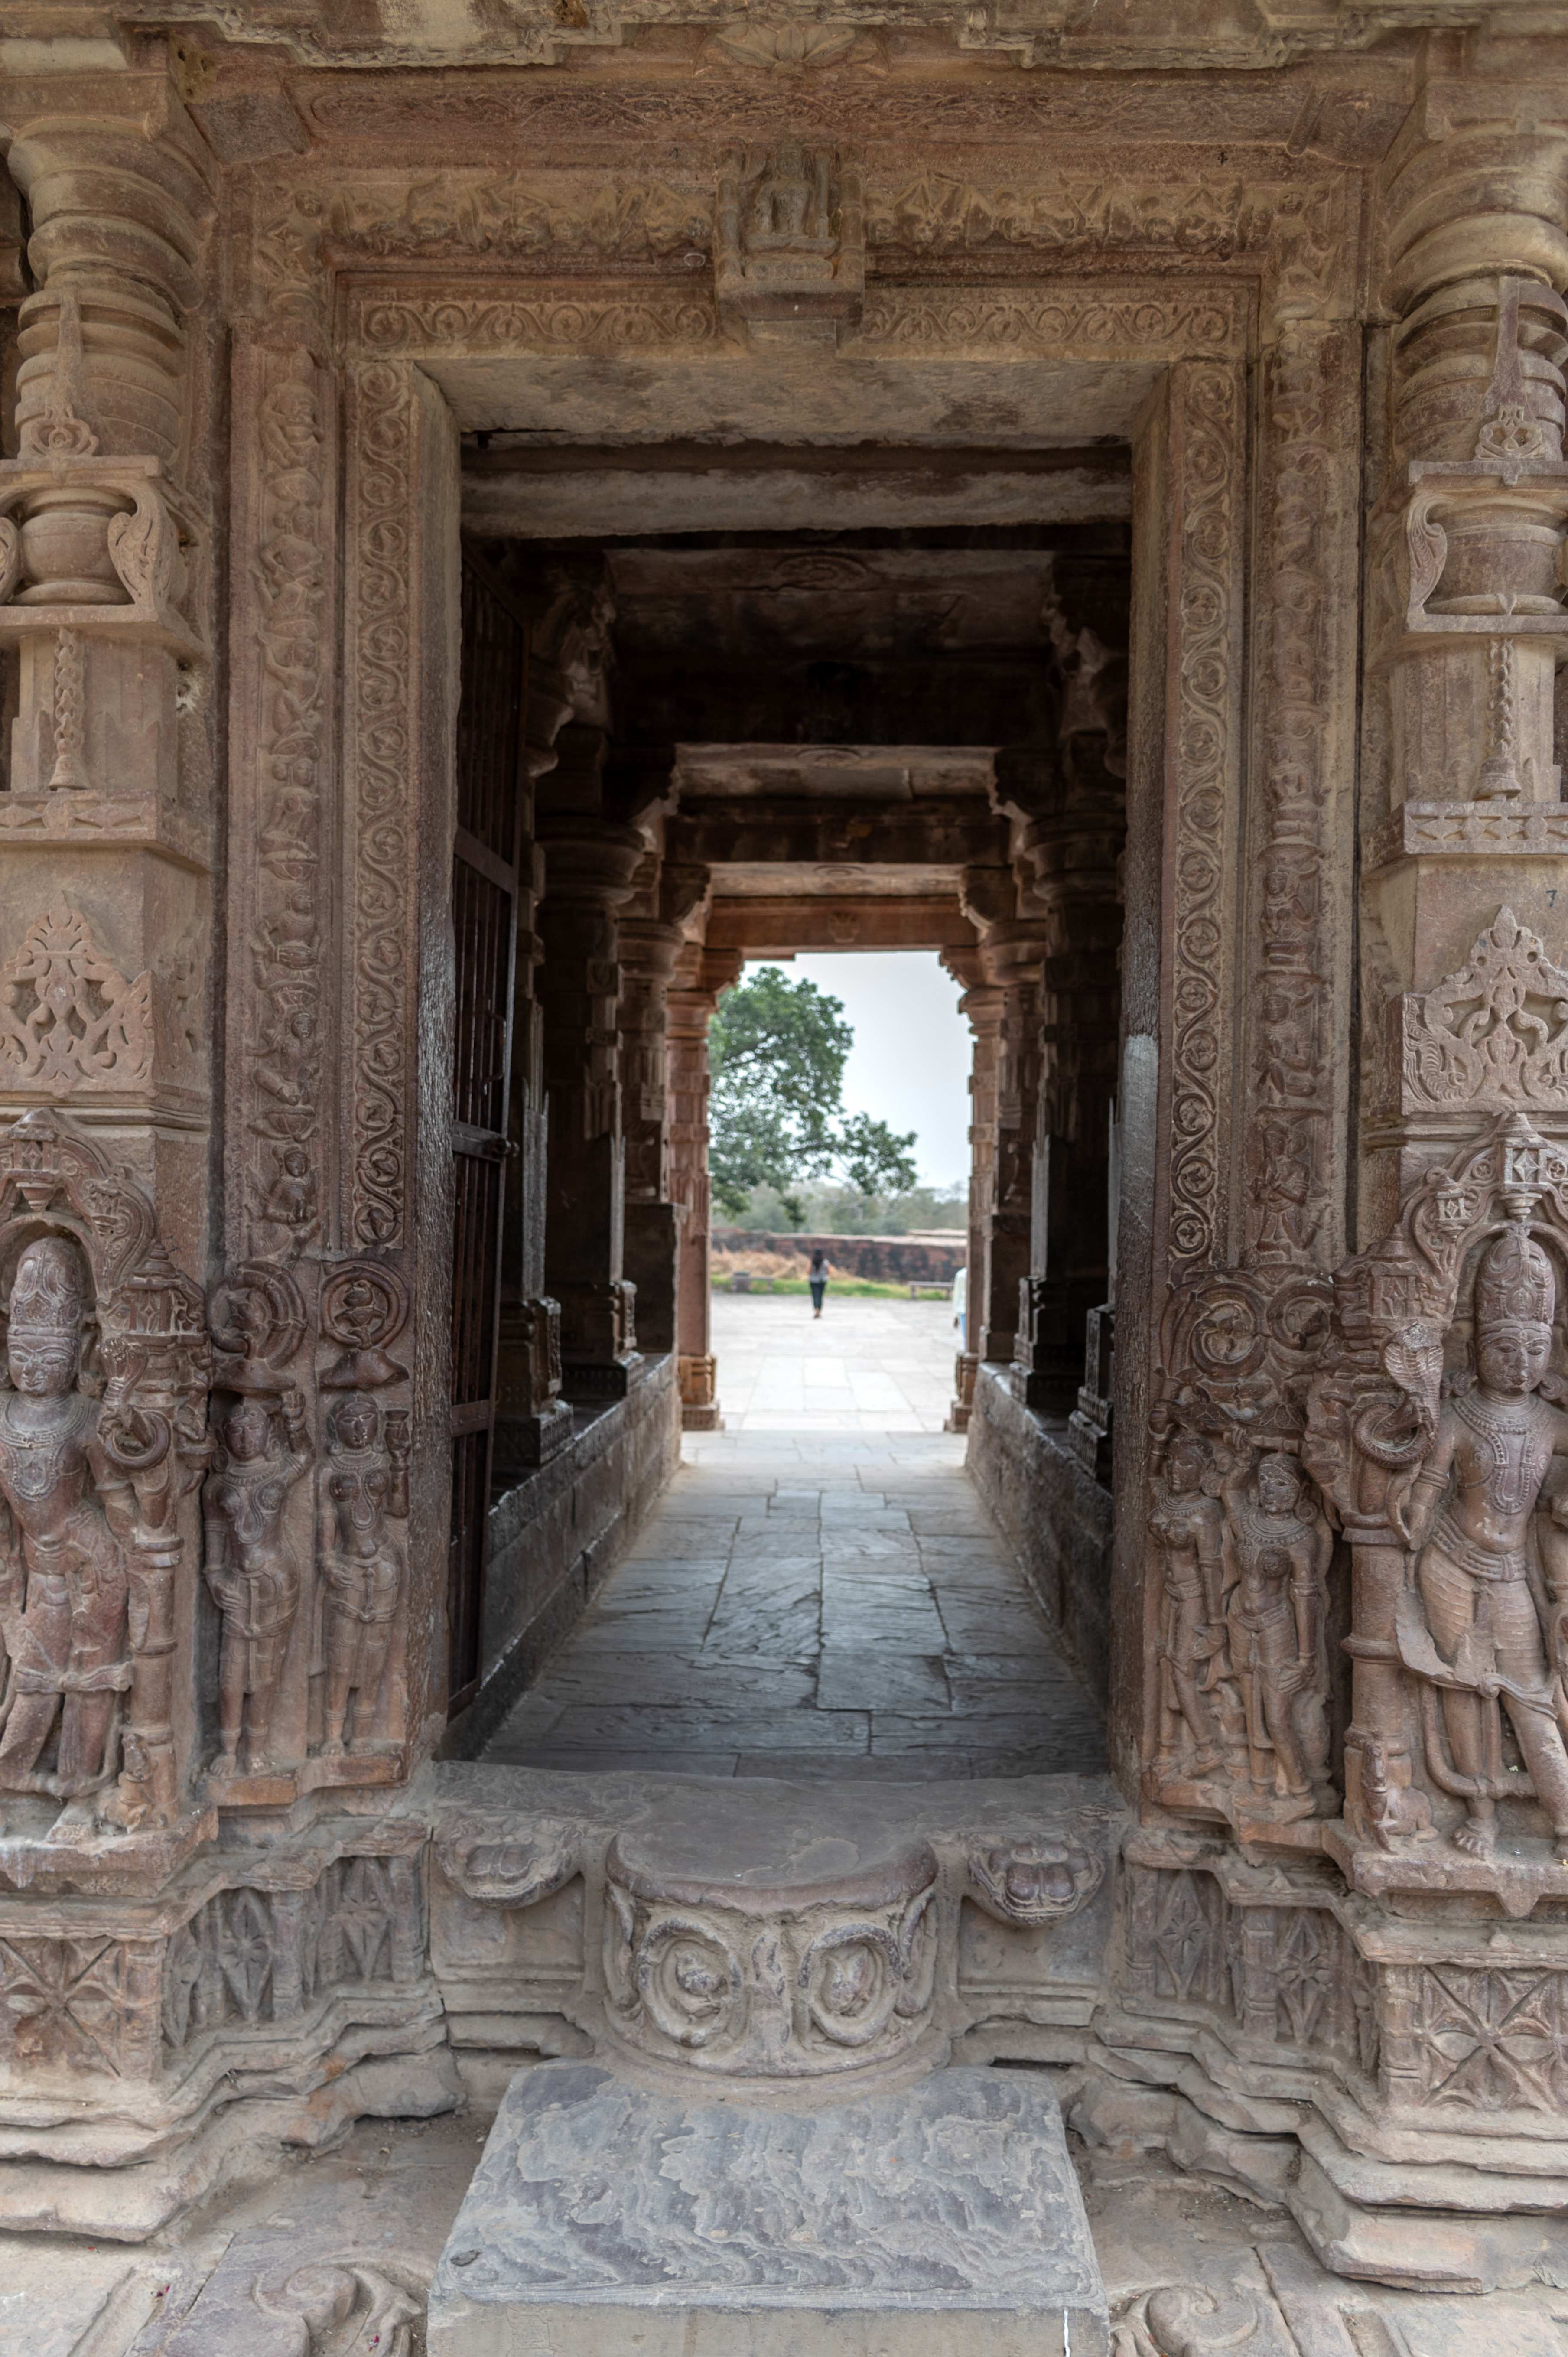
[1433, 1431]
[101, 1438]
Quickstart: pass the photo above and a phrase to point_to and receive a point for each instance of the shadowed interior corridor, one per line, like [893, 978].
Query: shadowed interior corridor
[813, 1601]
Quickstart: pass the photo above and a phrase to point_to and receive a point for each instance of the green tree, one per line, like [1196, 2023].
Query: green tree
[777, 1049]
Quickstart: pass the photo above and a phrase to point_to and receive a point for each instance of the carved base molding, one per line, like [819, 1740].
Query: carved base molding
[1375, 2074]
[1361, 2068]
[269, 1996]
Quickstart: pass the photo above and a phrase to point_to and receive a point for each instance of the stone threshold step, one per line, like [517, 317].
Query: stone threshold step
[610, 2216]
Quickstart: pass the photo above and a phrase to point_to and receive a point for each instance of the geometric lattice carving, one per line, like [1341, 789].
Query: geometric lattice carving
[1493, 1036]
[256, 1957]
[67, 2004]
[1494, 2040]
[69, 1019]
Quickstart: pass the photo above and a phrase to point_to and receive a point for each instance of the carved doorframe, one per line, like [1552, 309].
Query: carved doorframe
[1247, 484]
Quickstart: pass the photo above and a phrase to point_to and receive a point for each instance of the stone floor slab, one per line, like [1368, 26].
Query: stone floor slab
[604, 2214]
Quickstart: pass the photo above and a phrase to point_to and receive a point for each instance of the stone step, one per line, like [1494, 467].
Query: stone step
[611, 2215]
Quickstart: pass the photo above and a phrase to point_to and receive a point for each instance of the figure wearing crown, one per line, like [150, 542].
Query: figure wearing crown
[1471, 1516]
[63, 1580]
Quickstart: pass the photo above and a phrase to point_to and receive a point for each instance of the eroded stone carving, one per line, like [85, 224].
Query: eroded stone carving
[261, 1451]
[1242, 1548]
[514, 1873]
[69, 1018]
[1039, 1881]
[777, 1992]
[344, 2303]
[364, 1568]
[790, 240]
[260, 1956]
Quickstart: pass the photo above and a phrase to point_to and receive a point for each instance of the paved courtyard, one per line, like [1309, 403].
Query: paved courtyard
[865, 1365]
[822, 1599]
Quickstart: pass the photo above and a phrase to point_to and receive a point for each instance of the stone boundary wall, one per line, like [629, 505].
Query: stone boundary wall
[556, 1537]
[1053, 1514]
[880, 1260]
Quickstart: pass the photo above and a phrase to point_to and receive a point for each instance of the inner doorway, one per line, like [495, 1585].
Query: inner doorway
[890, 737]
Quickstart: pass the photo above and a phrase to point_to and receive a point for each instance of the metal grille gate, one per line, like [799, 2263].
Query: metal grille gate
[490, 803]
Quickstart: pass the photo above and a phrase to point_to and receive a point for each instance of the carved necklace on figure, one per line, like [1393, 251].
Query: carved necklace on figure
[1256, 1529]
[1519, 1470]
[37, 1461]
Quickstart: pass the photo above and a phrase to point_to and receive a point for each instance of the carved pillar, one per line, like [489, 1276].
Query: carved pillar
[1465, 634]
[105, 594]
[105, 895]
[1016, 1316]
[652, 930]
[700, 976]
[533, 1422]
[982, 1007]
[590, 863]
[1465, 624]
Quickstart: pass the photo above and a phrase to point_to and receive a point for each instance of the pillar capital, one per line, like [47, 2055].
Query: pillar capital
[586, 860]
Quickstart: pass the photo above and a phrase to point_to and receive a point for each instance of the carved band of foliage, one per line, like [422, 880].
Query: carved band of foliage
[381, 754]
[1211, 462]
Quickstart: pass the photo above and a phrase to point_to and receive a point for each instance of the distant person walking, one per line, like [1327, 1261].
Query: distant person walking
[961, 1306]
[817, 1278]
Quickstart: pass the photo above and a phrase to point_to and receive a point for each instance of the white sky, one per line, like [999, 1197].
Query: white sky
[909, 1064]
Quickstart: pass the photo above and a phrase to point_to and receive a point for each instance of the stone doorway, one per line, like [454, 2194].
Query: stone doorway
[904, 735]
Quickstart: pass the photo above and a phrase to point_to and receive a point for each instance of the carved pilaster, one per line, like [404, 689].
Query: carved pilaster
[105, 594]
[1193, 1218]
[981, 1007]
[700, 976]
[590, 867]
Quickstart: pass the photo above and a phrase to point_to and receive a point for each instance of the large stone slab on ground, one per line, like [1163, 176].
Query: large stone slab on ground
[604, 2214]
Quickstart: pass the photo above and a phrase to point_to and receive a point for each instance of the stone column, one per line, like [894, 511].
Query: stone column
[1467, 879]
[590, 863]
[982, 1009]
[106, 1009]
[653, 929]
[1069, 803]
[1012, 954]
[106, 595]
[700, 976]
[533, 1422]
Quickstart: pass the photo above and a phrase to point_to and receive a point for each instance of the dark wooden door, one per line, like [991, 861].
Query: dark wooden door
[491, 798]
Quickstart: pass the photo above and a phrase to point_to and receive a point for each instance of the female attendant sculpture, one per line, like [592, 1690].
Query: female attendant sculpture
[252, 1569]
[1188, 1527]
[1277, 1547]
[362, 1564]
